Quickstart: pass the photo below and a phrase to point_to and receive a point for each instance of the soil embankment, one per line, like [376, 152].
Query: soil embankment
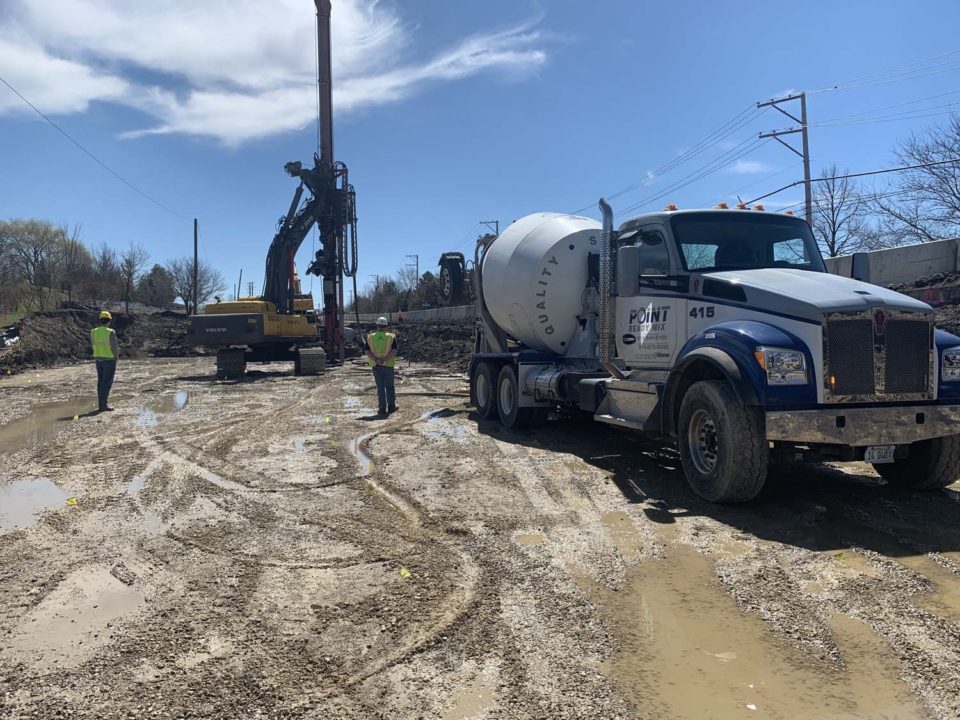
[63, 336]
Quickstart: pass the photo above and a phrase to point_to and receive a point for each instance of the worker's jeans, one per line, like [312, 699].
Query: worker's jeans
[386, 391]
[105, 372]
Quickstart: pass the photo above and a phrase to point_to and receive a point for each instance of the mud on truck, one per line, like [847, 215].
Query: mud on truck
[722, 331]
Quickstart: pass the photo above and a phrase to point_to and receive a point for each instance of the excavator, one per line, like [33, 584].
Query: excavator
[282, 324]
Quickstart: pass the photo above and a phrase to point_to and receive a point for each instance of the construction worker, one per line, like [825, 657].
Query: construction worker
[105, 352]
[382, 356]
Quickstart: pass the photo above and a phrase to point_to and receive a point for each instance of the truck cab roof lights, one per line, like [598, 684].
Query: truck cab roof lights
[742, 206]
[722, 206]
[788, 212]
[671, 207]
[759, 207]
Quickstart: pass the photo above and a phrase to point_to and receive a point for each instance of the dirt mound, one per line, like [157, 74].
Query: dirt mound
[935, 280]
[449, 345]
[50, 338]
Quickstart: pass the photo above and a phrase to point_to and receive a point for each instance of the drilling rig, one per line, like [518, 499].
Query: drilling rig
[282, 324]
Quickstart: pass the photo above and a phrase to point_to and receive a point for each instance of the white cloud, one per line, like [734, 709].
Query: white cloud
[233, 70]
[747, 167]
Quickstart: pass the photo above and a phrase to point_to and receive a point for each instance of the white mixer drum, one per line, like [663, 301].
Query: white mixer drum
[534, 274]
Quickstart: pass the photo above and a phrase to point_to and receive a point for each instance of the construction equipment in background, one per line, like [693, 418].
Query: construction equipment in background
[282, 324]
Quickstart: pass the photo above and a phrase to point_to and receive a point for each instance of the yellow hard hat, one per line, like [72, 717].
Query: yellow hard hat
[105, 315]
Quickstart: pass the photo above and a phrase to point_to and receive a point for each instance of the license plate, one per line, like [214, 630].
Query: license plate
[879, 454]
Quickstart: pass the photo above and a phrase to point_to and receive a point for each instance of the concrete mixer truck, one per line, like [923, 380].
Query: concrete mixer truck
[719, 330]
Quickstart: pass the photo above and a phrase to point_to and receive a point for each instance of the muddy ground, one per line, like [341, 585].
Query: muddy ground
[269, 549]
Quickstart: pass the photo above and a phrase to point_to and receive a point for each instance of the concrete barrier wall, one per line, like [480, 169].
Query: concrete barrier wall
[901, 264]
[456, 313]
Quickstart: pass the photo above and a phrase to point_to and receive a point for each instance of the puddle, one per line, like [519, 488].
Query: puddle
[165, 405]
[22, 501]
[441, 426]
[623, 532]
[688, 652]
[470, 702]
[70, 623]
[944, 599]
[43, 423]
[530, 538]
[366, 464]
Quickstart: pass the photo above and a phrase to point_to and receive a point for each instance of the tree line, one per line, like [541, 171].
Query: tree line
[43, 265]
[915, 206]
[403, 291]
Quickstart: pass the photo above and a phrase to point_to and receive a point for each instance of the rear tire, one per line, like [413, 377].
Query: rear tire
[451, 283]
[723, 445]
[508, 401]
[483, 390]
[931, 465]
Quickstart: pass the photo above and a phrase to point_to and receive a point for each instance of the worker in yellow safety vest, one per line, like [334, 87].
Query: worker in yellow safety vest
[382, 356]
[105, 352]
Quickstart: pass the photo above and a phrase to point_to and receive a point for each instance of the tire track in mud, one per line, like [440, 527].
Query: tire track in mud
[452, 608]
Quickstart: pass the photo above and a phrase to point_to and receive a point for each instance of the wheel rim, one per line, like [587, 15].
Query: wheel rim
[703, 442]
[445, 282]
[483, 391]
[507, 398]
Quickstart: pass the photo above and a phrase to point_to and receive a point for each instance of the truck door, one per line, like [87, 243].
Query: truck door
[651, 302]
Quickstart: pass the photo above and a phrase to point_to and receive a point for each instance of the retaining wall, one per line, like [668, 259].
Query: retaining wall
[901, 264]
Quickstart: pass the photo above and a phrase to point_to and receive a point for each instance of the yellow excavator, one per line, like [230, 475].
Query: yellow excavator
[282, 324]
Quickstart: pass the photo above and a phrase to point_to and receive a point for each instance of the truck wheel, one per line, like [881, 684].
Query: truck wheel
[932, 464]
[483, 390]
[451, 283]
[508, 400]
[723, 446]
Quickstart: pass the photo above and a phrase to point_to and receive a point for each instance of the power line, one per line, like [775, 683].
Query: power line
[907, 71]
[731, 156]
[739, 190]
[860, 174]
[93, 157]
[731, 126]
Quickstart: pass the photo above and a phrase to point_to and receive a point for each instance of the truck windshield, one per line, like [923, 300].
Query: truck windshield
[724, 240]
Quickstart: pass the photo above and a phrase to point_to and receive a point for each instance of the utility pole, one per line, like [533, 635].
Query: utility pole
[196, 305]
[802, 129]
[494, 223]
[416, 260]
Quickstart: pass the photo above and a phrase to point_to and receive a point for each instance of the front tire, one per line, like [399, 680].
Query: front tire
[931, 465]
[723, 446]
[483, 390]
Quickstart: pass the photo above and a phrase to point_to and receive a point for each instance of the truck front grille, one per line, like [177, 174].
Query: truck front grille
[908, 356]
[850, 356]
[877, 355]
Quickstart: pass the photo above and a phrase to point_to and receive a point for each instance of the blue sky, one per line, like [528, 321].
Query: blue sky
[446, 113]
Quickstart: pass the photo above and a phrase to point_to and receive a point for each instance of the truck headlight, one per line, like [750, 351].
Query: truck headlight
[785, 367]
[950, 364]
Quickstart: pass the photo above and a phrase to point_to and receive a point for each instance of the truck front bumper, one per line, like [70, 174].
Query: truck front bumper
[864, 426]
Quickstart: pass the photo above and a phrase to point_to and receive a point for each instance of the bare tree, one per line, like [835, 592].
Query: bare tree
[406, 278]
[209, 282]
[838, 214]
[926, 203]
[104, 283]
[74, 263]
[31, 245]
[132, 262]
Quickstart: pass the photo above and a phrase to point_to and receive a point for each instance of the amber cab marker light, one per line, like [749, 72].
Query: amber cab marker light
[671, 207]
[759, 207]
[722, 206]
[742, 206]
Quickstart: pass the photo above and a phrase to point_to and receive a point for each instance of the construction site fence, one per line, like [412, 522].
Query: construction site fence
[454, 314]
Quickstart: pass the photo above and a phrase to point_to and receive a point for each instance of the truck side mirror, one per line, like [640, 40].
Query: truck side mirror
[628, 270]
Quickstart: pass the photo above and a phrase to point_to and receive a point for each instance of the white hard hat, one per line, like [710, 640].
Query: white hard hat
[382, 322]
